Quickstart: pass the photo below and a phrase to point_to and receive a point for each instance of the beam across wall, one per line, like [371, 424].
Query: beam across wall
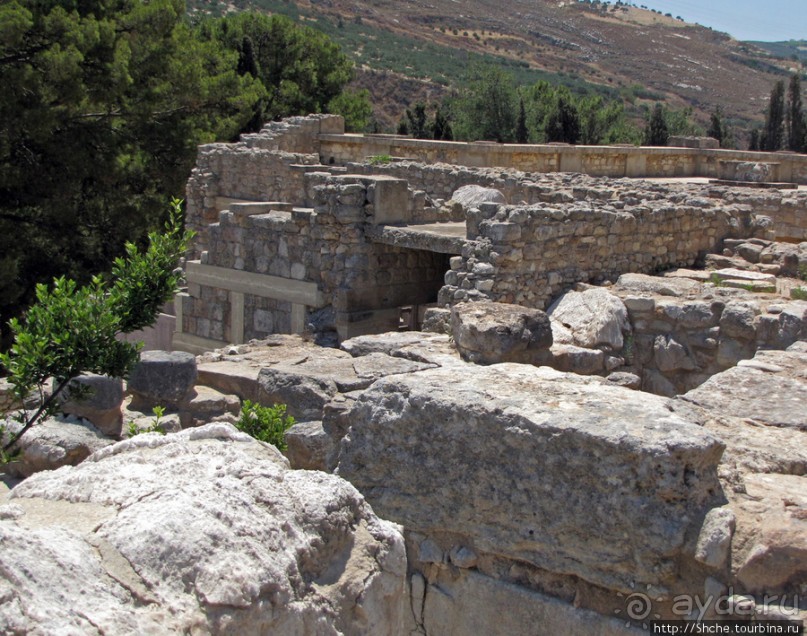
[263, 285]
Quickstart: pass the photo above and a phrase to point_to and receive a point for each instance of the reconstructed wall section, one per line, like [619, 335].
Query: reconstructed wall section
[527, 255]
[291, 239]
[600, 161]
[273, 268]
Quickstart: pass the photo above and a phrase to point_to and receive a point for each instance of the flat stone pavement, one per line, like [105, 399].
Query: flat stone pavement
[445, 238]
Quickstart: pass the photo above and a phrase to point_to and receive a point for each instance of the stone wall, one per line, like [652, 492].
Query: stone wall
[267, 166]
[610, 161]
[290, 235]
[273, 268]
[527, 255]
[786, 208]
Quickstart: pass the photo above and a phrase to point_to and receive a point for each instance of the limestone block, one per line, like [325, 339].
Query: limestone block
[64, 440]
[714, 540]
[595, 317]
[772, 391]
[470, 196]
[670, 355]
[471, 603]
[161, 378]
[308, 446]
[773, 529]
[101, 405]
[738, 320]
[642, 283]
[625, 379]
[304, 395]
[566, 357]
[562, 454]
[488, 333]
[146, 539]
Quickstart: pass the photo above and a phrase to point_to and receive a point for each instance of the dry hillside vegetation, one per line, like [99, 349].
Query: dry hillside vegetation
[638, 54]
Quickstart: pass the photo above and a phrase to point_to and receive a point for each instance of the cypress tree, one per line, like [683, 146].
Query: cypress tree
[774, 134]
[753, 142]
[657, 133]
[795, 116]
[521, 124]
[716, 128]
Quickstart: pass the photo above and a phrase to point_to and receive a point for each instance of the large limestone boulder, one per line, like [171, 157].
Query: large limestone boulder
[487, 333]
[206, 532]
[561, 472]
[63, 440]
[769, 390]
[595, 317]
[470, 196]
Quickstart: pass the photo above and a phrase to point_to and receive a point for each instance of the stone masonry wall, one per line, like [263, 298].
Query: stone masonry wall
[786, 208]
[526, 255]
[602, 161]
[267, 207]
[324, 245]
[267, 166]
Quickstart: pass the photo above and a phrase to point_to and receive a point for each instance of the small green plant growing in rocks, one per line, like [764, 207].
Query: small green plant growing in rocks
[74, 329]
[156, 426]
[377, 160]
[265, 423]
[629, 347]
[716, 280]
[798, 293]
[803, 271]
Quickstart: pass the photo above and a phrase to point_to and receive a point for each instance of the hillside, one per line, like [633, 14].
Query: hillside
[640, 55]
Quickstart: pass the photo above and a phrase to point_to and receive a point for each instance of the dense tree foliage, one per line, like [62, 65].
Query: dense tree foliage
[302, 70]
[485, 107]
[104, 103]
[490, 107]
[74, 329]
[657, 132]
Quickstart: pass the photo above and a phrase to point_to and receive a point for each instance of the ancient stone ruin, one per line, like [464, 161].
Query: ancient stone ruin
[551, 403]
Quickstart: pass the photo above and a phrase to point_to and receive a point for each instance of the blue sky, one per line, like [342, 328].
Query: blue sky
[766, 20]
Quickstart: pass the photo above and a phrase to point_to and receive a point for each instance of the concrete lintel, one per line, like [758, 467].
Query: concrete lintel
[262, 285]
[195, 344]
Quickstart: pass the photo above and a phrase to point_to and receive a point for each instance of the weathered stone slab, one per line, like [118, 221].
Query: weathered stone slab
[772, 547]
[63, 440]
[731, 273]
[526, 461]
[758, 393]
[304, 395]
[471, 603]
[388, 342]
[488, 333]
[206, 531]
[643, 283]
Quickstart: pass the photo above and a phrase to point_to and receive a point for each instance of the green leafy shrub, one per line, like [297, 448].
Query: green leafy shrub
[156, 426]
[265, 423]
[377, 160]
[73, 329]
[798, 293]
